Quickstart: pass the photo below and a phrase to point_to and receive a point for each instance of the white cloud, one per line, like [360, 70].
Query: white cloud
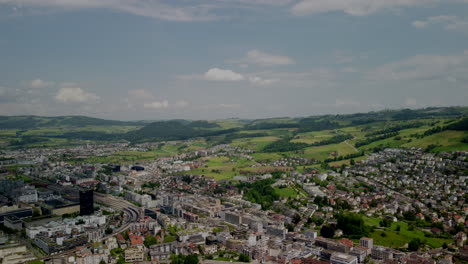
[255, 80]
[156, 105]
[423, 67]
[172, 10]
[38, 83]
[358, 7]
[75, 95]
[257, 57]
[148, 8]
[453, 23]
[216, 74]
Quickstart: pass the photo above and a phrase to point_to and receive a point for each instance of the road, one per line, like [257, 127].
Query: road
[131, 215]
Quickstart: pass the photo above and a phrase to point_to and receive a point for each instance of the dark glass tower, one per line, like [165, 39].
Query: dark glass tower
[86, 202]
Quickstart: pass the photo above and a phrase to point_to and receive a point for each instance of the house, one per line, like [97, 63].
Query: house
[460, 239]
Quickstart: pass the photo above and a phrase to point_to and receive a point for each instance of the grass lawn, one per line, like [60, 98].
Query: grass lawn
[229, 123]
[313, 137]
[448, 139]
[286, 192]
[397, 239]
[323, 152]
[254, 143]
[8, 132]
[266, 157]
[269, 132]
[223, 168]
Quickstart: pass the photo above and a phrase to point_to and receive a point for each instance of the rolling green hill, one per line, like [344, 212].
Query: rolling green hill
[29, 122]
[330, 138]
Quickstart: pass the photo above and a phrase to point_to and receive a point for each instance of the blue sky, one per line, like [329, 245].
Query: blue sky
[210, 59]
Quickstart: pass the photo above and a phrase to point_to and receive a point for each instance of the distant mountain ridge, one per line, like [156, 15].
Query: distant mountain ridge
[30, 122]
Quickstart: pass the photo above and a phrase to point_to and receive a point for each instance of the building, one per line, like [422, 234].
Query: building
[367, 242]
[134, 253]
[59, 207]
[162, 251]
[381, 253]
[89, 258]
[340, 258]
[27, 194]
[359, 252]
[13, 222]
[20, 213]
[53, 245]
[86, 202]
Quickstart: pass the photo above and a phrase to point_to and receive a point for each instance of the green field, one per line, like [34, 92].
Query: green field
[448, 140]
[313, 137]
[400, 238]
[324, 152]
[222, 168]
[291, 191]
[129, 157]
[229, 123]
[286, 192]
[255, 143]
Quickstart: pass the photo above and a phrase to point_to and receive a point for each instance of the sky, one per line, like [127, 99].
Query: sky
[214, 59]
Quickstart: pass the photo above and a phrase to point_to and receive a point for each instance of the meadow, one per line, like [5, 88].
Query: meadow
[397, 239]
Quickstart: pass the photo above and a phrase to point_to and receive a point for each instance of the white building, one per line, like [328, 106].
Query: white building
[340, 258]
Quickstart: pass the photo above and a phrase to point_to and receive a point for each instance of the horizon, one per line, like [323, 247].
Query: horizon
[241, 118]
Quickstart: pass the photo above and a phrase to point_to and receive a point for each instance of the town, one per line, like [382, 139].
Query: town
[395, 206]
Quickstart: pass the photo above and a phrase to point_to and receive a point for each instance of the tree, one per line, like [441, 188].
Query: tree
[296, 219]
[120, 260]
[108, 231]
[177, 259]
[414, 244]
[187, 179]
[150, 240]
[102, 262]
[410, 216]
[385, 222]
[353, 225]
[327, 231]
[290, 227]
[244, 258]
[181, 259]
[191, 259]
